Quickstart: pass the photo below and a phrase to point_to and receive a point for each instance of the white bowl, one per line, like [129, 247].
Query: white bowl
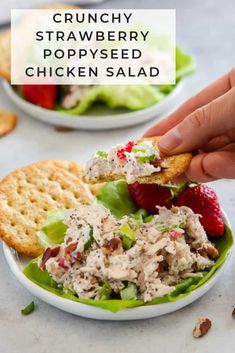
[103, 120]
[17, 263]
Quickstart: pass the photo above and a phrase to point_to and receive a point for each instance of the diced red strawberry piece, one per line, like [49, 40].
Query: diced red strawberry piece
[62, 263]
[121, 154]
[79, 256]
[148, 196]
[176, 233]
[42, 95]
[50, 252]
[203, 200]
[70, 248]
[127, 148]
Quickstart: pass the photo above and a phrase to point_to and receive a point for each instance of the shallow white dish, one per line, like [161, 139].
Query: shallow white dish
[103, 120]
[17, 263]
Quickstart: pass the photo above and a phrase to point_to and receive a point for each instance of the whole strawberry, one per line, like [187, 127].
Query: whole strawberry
[148, 196]
[42, 95]
[203, 200]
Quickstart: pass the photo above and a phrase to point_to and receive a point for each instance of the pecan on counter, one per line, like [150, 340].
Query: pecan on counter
[233, 313]
[202, 327]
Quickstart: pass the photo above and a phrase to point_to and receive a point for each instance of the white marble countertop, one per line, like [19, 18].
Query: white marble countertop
[206, 30]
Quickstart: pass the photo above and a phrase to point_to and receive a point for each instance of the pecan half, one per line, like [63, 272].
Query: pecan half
[202, 252]
[202, 327]
[209, 250]
[63, 129]
[212, 252]
[157, 162]
[113, 246]
[233, 313]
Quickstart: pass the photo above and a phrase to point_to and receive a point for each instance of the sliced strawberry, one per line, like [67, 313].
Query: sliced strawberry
[203, 200]
[42, 95]
[148, 196]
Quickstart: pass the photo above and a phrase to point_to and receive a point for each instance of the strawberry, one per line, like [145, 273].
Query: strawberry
[148, 196]
[42, 95]
[203, 200]
[127, 148]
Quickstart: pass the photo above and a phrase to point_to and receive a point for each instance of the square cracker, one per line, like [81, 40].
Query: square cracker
[28, 193]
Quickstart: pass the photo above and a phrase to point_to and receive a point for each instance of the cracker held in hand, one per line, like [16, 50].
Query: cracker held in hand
[27, 194]
[139, 161]
[7, 122]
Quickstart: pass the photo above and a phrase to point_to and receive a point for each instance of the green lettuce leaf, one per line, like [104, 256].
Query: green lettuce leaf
[185, 65]
[128, 293]
[115, 196]
[133, 97]
[42, 279]
[54, 230]
[127, 235]
[105, 292]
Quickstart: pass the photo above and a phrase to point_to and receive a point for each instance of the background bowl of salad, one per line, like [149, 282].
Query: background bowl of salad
[99, 107]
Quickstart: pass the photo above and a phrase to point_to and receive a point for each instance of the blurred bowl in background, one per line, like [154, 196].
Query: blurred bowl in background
[98, 117]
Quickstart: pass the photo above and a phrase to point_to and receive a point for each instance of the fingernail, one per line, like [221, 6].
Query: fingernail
[170, 141]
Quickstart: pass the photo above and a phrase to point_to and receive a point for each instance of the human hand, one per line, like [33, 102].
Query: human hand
[205, 124]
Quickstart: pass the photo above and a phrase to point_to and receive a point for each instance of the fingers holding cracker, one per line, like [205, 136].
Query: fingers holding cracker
[8, 122]
[176, 165]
